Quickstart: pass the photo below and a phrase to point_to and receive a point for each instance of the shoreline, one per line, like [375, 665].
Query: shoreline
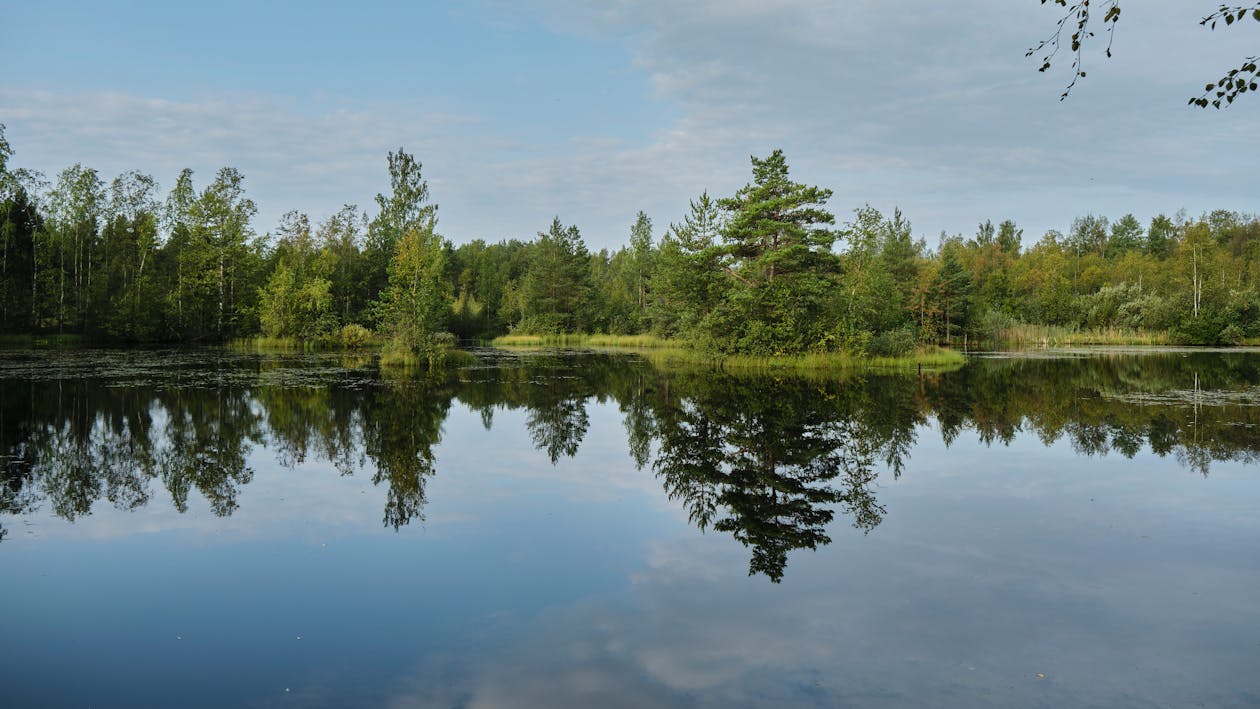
[680, 353]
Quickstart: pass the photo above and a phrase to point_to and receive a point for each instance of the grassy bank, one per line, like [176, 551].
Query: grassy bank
[1018, 336]
[39, 341]
[348, 338]
[931, 358]
[628, 341]
[675, 353]
[393, 358]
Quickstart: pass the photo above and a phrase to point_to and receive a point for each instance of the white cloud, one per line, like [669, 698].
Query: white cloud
[929, 106]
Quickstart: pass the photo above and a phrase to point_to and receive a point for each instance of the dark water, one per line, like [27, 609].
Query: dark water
[565, 529]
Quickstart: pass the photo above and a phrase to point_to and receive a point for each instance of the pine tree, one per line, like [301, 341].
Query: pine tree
[779, 259]
[556, 291]
[688, 282]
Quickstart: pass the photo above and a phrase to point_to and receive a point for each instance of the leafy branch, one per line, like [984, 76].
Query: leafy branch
[1077, 16]
[1235, 81]
[1076, 19]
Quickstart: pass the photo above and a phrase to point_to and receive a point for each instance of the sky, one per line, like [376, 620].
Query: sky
[591, 111]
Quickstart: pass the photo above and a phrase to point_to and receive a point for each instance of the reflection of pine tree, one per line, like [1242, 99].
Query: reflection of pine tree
[762, 455]
[638, 423]
[690, 462]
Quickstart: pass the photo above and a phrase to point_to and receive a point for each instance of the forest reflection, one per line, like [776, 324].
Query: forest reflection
[769, 460]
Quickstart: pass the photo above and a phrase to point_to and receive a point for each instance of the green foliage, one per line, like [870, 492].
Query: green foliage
[353, 336]
[217, 259]
[404, 210]
[339, 239]
[297, 300]
[951, 289]
[868, 300]
[900, 342]
[556, 291]
[688, 282]
[1126, 235]
[779, 262]
[1079, 20]
[6, 152]
[1009, 237]
[290, 308]
[415, 306]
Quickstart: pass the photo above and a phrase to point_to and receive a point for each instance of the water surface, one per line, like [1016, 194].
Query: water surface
[559, 528]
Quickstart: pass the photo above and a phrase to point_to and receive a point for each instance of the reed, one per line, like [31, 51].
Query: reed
[813, 363]
[272, 344]
[348, 338]
[53, 341]
[579, 340]
[1025, 335]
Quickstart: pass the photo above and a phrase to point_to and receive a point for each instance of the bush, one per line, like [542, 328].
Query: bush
[893, 343]
[353, 336]
[1232, 335]
[437, 350]
[991, 325]
[441, 341]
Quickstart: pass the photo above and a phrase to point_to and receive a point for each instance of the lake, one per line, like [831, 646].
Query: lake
[561, 528]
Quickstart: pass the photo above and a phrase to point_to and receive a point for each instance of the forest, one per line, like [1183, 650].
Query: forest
[766, 271]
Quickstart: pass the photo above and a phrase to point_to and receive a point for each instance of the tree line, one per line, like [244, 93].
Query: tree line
[765, 271]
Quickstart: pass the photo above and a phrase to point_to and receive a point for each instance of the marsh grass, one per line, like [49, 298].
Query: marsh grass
[934, 359]
[680, 354]
[41, 341]
[273, 344]
[617, 341]
[1024, 336]
[349, 338]
[399, 358]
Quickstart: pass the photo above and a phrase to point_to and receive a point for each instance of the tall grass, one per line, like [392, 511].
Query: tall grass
[928, 358]
[1025, 335]
[628, 341]
[272, 344]
[814, 363]
[400, 358]
[674, 353]
[350, 337]
[53, 341]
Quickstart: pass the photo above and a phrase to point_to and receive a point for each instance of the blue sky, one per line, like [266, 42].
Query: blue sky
[592, 111]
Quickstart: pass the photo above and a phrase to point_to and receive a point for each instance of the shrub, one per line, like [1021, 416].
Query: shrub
[353, 336]
[1232, 335]
[893, 343]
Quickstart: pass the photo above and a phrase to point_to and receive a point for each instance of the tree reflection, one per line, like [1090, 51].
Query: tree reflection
[770, 461]
[399, 435]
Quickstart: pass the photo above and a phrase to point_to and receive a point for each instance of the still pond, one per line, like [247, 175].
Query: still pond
[586, 529]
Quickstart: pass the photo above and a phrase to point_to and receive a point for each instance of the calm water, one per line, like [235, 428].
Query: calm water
[565, 529]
